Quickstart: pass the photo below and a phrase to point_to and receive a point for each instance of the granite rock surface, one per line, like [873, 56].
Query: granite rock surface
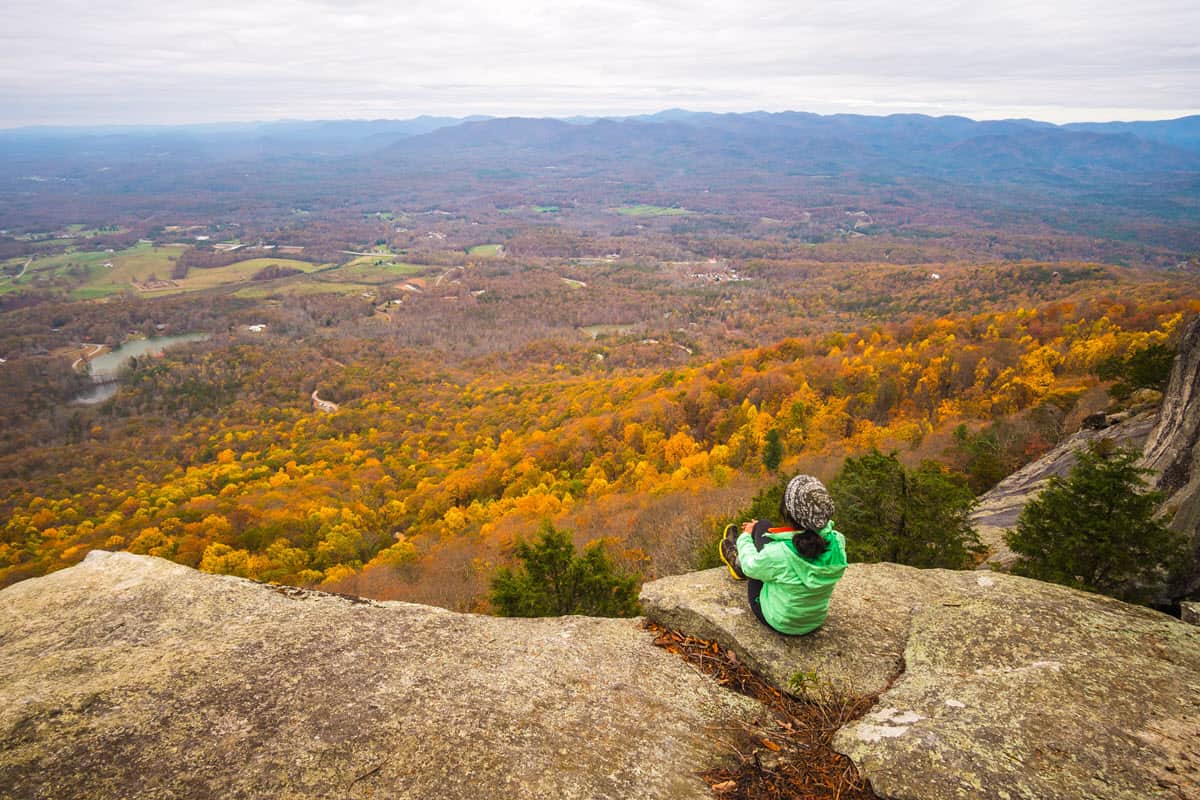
[130, 676]
[989, 685]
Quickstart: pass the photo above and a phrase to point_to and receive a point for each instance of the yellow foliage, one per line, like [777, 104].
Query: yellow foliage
[338, 572]
[455, 519]
[678, 447]
[221, 559]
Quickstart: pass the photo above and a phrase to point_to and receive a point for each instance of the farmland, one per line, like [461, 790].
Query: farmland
[643, 210]
[145, 268]
[239, 272]
[91, 274]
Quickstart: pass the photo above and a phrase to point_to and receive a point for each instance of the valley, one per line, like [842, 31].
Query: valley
[395, 383]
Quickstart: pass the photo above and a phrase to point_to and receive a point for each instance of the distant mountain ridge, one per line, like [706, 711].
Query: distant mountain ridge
[1127, 181]
[1183, 132]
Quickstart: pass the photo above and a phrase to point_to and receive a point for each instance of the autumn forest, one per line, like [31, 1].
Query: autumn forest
[409, 353]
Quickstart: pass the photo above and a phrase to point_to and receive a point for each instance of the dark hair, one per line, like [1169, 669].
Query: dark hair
[809, 544]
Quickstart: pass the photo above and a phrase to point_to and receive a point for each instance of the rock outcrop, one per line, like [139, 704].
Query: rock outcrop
[130, 676]
[1168, 436]
[999, 507]
[991, 686]
[1173, 449]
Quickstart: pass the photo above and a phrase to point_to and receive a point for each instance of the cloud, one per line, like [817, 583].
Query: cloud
[64, 61]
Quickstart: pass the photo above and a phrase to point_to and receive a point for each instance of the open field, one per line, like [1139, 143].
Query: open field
[81, 231]
[300, 286]
[373, 260]
[87, 277]
[535, 209]
[642, 210]
[360, 275]
[238, 272]
[139, 262]
[371, 272]
[133, 265]
[486, 250]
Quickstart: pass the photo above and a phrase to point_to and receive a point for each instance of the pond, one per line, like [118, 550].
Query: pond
[105, 368]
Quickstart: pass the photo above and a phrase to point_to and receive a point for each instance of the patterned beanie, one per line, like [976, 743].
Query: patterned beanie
[807, 503]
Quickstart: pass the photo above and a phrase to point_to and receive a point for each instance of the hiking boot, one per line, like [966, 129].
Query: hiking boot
[728, 552]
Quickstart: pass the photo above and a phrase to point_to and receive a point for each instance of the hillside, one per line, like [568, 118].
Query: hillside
[214, 457]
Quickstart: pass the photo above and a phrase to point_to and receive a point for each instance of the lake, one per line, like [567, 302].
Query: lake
[105, 368]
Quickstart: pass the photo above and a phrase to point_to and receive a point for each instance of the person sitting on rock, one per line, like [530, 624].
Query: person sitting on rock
[791, 570]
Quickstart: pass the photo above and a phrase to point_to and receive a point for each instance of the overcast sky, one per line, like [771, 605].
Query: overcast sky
[157, 61]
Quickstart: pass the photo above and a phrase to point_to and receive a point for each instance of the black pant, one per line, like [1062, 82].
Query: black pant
[753, 590]
[753, 587]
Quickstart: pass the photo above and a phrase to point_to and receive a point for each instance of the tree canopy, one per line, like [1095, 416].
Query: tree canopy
[917, 517]
[554, 580]
[1144, 368]
[1095, 530]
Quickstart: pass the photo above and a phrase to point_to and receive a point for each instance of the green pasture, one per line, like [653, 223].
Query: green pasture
[360, 275]
[238, 272]
[535, 209]
[139, 262]
[85, 273]
[643, 210]
[370, 270]
[297, 288]
[486, 250]
[89, 278]
[81, 231]
[373, 260]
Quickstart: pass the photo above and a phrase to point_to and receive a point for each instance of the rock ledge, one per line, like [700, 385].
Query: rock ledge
[130, 676]
[992, 686]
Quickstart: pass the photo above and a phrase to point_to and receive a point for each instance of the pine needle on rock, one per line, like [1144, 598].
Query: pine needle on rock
[787, 753]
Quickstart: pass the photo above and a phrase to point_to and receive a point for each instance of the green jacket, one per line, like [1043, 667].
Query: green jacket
[795, 593]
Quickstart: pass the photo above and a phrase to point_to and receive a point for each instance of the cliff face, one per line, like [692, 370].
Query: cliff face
[129, 676]
[1173, 448]
[1169, 437]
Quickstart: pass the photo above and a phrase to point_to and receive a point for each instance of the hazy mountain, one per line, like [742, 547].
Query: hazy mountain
[1183, 132]
[1113, 180]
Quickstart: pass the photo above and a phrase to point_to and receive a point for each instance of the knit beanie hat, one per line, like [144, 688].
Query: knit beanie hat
[807, 503]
